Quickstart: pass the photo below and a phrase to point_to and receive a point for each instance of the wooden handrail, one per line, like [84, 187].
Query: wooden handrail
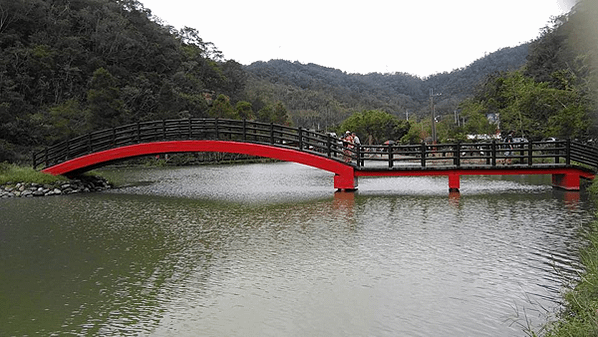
[396, 156]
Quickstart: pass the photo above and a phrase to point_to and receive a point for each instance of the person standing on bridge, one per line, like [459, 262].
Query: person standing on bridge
[348, 145]
[357, 143]
[509, 152]
[355, 139]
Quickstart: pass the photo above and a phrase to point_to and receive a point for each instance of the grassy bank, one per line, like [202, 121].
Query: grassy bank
[15, 174]
[580, 317]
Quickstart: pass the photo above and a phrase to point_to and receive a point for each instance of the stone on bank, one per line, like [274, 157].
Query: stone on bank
[81, 185]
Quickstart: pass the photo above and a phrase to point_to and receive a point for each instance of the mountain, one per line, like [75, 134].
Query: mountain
[310, 90]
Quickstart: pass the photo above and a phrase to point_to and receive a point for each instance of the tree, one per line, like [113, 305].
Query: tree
[532, 109]
[274, 114]
[221, 108]
[104, 103]
[244, 110]
[66, 120]
[375, 125]
[476, 122]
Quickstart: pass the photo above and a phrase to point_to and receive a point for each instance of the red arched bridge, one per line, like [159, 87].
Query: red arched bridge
[567, 161]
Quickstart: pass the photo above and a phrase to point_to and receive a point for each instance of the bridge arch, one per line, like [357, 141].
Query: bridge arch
[344, 177]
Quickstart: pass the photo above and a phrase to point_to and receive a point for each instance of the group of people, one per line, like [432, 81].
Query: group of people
[350, 140]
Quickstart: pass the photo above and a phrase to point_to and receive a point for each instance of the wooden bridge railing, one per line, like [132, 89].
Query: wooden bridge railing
[190, 129]
[479, 154]
[370, 157]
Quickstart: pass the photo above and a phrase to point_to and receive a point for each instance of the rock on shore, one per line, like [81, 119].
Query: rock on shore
[80, 185]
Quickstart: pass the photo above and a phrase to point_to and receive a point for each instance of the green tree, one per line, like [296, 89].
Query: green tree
[66, 120]
[476, 122]
[244, 110]
[104, 103]
[221, 108]
[375, 125]
[532, 109]
[276, 113]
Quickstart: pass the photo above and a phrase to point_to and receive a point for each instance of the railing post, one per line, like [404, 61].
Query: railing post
[190, 129]
[423, 154]
[272, 133]
[457, 160]
[568, 150]
[328, 146]
[216, 127]
[390, 156]
[362, 155]
[358, 147]
[89, 148]
[164, 129]
[556, 153]
[530, 153]
[300, 139]
[244, 129]
[493, 152]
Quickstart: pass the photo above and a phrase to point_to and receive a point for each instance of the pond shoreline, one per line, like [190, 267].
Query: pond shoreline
[82, 184]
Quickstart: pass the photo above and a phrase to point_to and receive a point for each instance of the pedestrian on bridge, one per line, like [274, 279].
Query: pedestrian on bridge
[348, 144]
[355, 139]
[509, 152]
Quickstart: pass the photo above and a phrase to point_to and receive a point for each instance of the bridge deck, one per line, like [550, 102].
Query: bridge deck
[560, 158]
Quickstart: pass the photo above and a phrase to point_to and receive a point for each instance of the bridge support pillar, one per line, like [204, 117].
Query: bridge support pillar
[454, 182]
[566, 181]
[346, 182]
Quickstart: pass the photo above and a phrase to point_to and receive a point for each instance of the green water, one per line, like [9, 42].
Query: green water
[251, 251]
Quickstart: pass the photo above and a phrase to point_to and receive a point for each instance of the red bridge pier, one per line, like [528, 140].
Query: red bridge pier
[566, 178]
[570, 181]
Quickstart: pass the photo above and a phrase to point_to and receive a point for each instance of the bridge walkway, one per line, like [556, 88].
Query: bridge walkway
[565, 160]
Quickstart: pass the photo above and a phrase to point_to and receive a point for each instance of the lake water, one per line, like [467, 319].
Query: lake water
[272, 250]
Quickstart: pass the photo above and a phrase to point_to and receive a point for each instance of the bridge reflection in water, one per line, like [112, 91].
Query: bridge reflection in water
[565, 160]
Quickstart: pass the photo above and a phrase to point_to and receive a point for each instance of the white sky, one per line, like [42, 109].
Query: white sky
[419, 37]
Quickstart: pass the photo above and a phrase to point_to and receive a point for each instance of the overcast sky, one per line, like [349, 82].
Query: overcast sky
[419, 37]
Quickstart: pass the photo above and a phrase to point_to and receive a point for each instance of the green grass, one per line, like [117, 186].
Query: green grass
[580, 317]
[21, 174]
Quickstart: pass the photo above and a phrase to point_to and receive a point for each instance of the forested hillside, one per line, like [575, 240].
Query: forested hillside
[71, 66]
[316, 95]
[556, 93]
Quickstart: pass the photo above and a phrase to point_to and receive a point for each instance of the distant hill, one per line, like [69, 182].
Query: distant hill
[310, 90]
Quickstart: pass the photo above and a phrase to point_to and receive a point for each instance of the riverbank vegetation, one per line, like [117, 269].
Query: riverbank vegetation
[12, 173]
[580, 315]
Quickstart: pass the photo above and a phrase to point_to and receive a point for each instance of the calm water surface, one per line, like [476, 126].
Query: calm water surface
[271, 250]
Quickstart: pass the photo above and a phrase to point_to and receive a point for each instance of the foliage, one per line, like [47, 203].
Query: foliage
[474, 112]
[70, 66]
[67, 67]
[580, 316]
[104, 102]
[533, 109]
[221, 108]
[375, 126]
[276, 113]
[244, 110]
[316, 95]
[14, 173]
[565, 57]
